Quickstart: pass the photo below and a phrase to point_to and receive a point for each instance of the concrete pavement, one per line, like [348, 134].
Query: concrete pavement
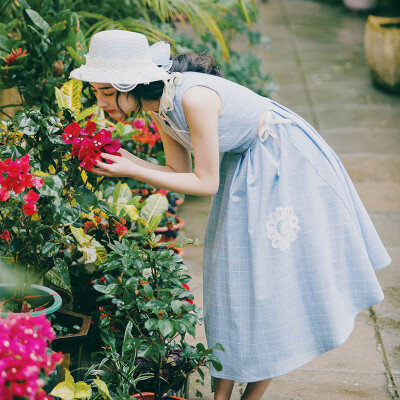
[317, 58]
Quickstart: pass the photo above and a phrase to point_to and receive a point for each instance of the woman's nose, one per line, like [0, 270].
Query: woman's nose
[101, 102]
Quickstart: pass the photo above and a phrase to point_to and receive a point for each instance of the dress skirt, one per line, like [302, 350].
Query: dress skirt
[290, 253]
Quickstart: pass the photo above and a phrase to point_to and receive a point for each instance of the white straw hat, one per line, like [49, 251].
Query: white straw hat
[124, 59]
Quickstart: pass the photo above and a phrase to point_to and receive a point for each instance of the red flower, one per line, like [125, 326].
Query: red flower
[5, 235]
[31, 197]
[29, 209]
[88, 147]
[88, 225]
[10, 58]
[72, 131]
[186, 286]
[90, 127]
[120, 229]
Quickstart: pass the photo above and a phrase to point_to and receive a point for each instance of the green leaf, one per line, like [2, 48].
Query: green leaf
[165, 326]
[148, 290]
[38, 21]
[85, 113]
[85, 198]
[64, 390]
[92, 250]
[200, 347]
[67, 214]
[176, 306]
[112, 288]
[220, 347]
[103, 389]
[121, 196]
[54, 183]
[12, 152]
[156, 204]
[82, 390]
[59, 274]
[50, 249]
[16, 245]
[151, 324]
[76, 57]
[215, 362]
[69, 95]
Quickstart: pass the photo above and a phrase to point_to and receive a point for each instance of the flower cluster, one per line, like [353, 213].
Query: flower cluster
[10, 58]
[18, 179]
[24, 357]
[118, 227]
[87, 144]
[146, 136]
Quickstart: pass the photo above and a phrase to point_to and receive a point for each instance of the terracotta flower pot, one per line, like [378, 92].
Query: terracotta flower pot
[150, 396]
[382, 51]
[178, 251]
[180, 223]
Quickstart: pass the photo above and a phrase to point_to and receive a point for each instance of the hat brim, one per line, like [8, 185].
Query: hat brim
[146, 75]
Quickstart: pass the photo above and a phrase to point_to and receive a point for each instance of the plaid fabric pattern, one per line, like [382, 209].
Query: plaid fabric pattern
[275, 309]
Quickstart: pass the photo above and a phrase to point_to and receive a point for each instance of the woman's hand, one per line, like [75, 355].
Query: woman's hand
[120, 166]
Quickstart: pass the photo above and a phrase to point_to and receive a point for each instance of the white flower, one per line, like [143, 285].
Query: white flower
[282, 228]
[146, 273]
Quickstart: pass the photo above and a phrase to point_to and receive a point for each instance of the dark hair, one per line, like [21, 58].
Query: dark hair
[203, 62]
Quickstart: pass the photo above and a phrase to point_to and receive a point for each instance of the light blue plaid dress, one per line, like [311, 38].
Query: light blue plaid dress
[290, 251]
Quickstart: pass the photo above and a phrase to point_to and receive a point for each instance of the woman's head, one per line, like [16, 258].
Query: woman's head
[126, 74]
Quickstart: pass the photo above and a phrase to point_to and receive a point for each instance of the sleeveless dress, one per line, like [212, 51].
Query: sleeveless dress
[289, 251]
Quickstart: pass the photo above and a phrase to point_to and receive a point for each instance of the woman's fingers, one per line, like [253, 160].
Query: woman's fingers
[111, 157]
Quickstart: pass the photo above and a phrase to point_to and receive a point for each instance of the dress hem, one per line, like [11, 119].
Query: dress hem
[316, 354]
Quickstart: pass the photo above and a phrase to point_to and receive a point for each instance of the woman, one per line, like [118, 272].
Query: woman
[290, 251]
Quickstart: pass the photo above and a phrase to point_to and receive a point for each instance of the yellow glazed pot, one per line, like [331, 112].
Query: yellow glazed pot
[382, 51]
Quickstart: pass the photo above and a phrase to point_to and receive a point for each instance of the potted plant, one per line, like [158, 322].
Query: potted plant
[382, 51]
[146, 312]
[44, 190]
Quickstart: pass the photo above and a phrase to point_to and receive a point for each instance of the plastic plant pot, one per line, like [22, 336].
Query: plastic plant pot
[37, 295]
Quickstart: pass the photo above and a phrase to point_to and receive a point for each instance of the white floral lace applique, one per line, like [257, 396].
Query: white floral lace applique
[282, 228]
[167, 97]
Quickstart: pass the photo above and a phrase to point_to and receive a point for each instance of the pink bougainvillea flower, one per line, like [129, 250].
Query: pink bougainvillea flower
[24, 357]
[5, 235]
[164, 193]
[88, 145]
[18, 177]
[30, 209]
[139, 123]
[72, 131]
[31, 197]
[90, 127]
[153, 126]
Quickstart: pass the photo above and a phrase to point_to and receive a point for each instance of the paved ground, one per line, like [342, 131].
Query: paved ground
[317, 59]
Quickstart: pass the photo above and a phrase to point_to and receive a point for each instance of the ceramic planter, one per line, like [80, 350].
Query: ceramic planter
[38, 296]
[382, 51]
[66, 297]
[72, 346]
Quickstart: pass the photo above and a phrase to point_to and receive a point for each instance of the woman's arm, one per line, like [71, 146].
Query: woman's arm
[177, 157]
[201, 106]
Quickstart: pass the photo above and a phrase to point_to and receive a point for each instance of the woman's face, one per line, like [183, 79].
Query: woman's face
[106, 96]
